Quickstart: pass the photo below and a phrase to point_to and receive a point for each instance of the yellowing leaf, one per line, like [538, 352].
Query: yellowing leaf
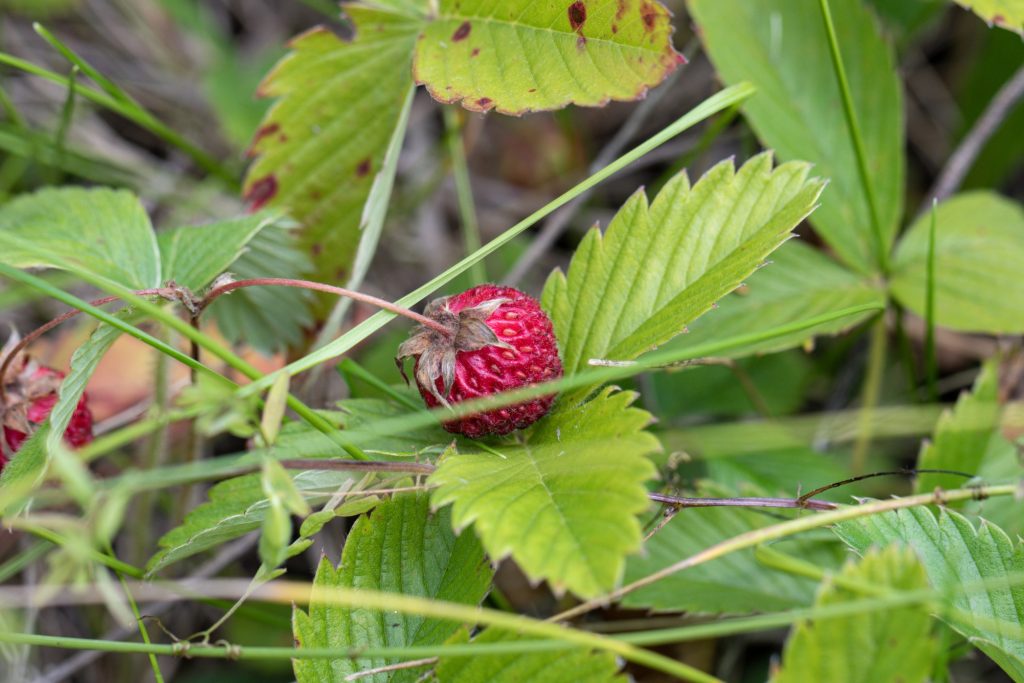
[1008, 14]
[516, 57]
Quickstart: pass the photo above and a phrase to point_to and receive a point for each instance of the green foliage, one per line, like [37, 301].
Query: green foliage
[194, 255]
[963, 434]
[400, 548]
[782, 48]
[886, 645]
[518, 57]
[659, 267]
[735, 584]
[977, 570]
[102, 231]
[1008, 14]
[267, 318]
[799, 283]
[979, 240]
[238, 506]
[564, 504]
[323, 141]
[538, 667]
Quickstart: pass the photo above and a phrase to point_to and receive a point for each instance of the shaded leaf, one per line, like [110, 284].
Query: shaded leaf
[517, 57]
[658, 267]
[323, 141]
[979, 242]
[799, 283]
[736, 583]
[194, 255]
[564, 505]
[885, 645]
[781, 47]
[536, 667]
[401, 547]
[266, 318]
[106, 232]
[957, 557]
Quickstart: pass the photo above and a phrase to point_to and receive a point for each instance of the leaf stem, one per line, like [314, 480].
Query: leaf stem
[870, 394]
[881, 248]
[931, 368]
[219, 291]
[463, 188]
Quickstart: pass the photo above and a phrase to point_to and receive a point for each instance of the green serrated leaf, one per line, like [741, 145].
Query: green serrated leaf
[735, 584]
[1008, 14]
[194, 255]
[267, 318]
[536, 667]
[104, 231]
[658, 267]
[517, 57]
[956, 557]
[799, 283]
[979, 240]
[564, 505]
[781, 47]
[400, 548]
[886, 645]
[963, 434]
[324, 140]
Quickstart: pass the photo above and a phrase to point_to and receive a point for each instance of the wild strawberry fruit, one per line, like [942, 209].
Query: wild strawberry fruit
[498, 339]
[29, 396]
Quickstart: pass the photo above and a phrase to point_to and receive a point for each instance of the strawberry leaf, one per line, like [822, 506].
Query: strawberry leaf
[323, 142]
[970, 567]
[517, 57]
[399, 548]
[892, 644]
[563, 505]
[799, 283]
[781, 47]
[661, 265]
[979, 242]
[103, 231]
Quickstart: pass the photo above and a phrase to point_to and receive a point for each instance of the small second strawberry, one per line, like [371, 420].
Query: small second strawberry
[29, 398]
[500, 339]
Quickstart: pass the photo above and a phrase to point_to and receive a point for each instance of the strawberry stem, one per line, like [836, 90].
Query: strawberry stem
[216, 292]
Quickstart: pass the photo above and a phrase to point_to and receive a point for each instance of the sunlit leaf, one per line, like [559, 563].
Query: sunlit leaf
[563, 505]
[1008, 14]
[516, 57]
[660, 266]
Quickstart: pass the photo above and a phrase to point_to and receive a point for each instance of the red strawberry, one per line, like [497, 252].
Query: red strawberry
[500, 340]
[29, 398]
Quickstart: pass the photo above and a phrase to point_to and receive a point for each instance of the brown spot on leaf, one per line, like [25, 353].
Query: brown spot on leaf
[650, 15]
[317, 248]
[264, 131]
[485, 103]
[363, 168]
[998, 19]
[462, 31]
[581, 43]
[261, 192]
[532, 90]
[615, 28]
[475, 52]
[620, 11]
[577, 15]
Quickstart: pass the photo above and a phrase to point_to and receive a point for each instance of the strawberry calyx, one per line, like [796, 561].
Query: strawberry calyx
[466, 330]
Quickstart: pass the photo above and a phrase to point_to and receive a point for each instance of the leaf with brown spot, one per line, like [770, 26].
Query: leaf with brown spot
[543, 56]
